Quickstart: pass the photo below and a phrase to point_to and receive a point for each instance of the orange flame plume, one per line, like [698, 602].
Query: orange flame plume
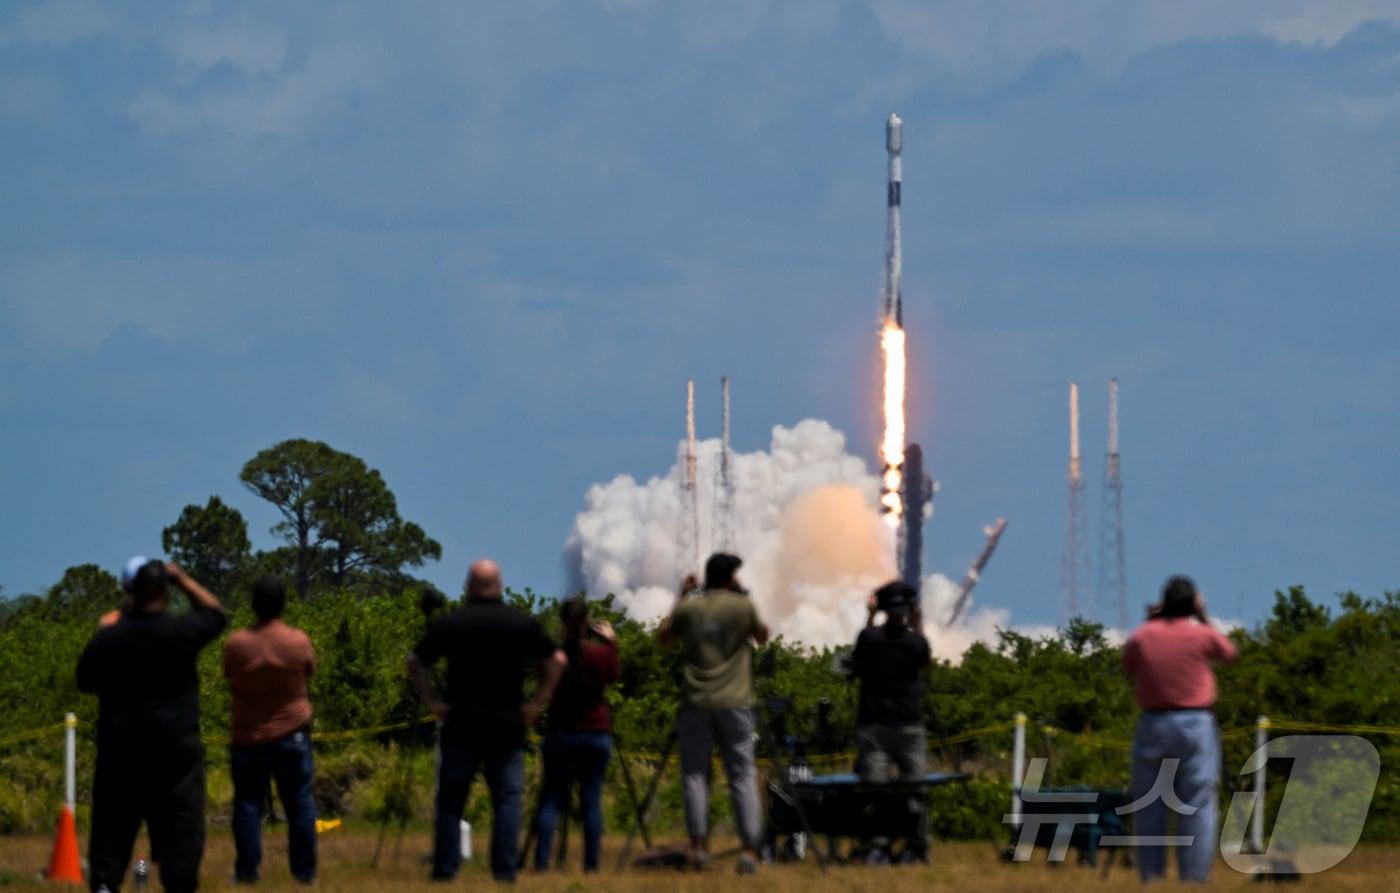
[892, 444]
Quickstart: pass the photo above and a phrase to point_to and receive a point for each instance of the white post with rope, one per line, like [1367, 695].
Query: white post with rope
[1018, 768]
[1256, 815]
[70, 761]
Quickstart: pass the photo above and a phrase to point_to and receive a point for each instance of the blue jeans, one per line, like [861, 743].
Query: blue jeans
[505, 776]
[573, 758]
[1190, 738]
[289, 763]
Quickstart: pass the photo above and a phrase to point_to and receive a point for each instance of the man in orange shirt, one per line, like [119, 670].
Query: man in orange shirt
[268, 665]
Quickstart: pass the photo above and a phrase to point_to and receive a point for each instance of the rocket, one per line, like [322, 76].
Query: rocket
[894, 143]
[993, 533]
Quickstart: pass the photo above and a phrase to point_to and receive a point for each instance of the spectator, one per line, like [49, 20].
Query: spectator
[579, 739]
[150, 760]
[1176, 747]
[268, 666]
[128, 578]
[489, 646]
[716, 632]
[891, 661]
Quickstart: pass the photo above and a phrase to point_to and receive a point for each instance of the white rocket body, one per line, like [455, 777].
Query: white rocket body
[894, 263]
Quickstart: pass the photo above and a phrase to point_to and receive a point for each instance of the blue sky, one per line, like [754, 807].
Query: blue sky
[483, 245]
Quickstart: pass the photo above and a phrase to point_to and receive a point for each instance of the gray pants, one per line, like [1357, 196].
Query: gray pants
[698, 730]
[879, 746]
[1176, 768]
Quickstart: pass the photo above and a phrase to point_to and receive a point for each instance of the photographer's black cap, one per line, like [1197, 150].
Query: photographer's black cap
[896, 595]
[720, 569]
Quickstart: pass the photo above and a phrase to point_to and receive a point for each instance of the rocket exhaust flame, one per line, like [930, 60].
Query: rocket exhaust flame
[892, 444]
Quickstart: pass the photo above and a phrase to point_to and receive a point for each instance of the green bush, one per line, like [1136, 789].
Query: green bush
[1304, 663]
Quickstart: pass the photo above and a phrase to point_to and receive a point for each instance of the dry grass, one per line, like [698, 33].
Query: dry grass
[345, 857]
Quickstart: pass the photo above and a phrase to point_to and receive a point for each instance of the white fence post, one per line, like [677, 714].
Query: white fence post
[1018, 768]
[70, 761]
[1256, 816]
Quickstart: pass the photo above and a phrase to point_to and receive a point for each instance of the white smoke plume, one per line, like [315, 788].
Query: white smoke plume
[805, 522]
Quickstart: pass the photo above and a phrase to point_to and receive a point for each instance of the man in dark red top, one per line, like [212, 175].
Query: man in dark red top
[579, 740]
[1176, 749]
[268, 666]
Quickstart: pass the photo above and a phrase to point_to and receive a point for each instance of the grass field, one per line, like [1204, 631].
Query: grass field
[345, 861]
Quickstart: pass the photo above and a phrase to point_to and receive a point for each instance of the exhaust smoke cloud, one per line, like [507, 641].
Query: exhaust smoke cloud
[806, 520]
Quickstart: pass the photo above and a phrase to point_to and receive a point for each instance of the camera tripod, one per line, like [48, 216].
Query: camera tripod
[639, 808]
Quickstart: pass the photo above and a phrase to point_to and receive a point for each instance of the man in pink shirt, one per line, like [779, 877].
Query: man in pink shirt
[268, 665]
[1176, 748]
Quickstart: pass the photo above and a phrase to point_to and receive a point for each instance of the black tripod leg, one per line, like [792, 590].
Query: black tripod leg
[530, 833]
[269, 804]
[401, 798]
[563, 854]
[646, 800]
[631, 789]
[784, 785]
[524, 855]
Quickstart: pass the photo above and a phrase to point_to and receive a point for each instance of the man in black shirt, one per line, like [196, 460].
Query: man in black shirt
[489, 647]
[150, 760]
[890, 661]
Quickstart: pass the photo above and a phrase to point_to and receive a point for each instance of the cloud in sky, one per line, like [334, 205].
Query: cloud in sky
[482, 245]
[56, 23]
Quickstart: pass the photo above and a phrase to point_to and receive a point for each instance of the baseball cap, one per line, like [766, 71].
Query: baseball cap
[132, 568]
[720, 569]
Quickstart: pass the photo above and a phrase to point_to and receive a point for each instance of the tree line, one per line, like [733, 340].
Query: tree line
[340, 530]
[349, 555]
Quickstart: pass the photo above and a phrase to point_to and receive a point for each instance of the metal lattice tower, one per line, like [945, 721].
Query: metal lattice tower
[1074, 564]
[688, 526]
[1113, 573]
[724, 481]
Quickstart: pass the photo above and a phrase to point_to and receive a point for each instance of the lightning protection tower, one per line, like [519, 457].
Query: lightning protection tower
[1074, 564]
[1113, 575]
[724, 483]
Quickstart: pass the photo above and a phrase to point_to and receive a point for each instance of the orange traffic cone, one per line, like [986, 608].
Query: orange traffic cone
[64, 866]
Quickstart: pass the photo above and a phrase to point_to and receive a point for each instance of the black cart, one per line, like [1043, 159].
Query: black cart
[858, 821]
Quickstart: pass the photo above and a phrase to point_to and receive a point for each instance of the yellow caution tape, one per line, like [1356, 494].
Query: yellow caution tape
[1086, 738]
[32, 733]
[1288, 725]
[980, 733]
[341, 735]
[376, 730]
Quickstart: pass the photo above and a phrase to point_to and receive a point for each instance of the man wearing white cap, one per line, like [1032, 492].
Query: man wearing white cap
[128, 577]
[150, 760]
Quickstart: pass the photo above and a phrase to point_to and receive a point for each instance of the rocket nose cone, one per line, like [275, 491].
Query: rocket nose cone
[894, 134]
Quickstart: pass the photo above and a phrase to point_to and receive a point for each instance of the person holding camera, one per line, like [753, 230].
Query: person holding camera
[150, 759]
[1176, 742]
[489, 647]
[716, 632]
[891, 662]
[578, 741]
[268, 666]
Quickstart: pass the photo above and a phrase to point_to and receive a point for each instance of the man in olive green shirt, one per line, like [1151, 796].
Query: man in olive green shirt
[716, 631]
